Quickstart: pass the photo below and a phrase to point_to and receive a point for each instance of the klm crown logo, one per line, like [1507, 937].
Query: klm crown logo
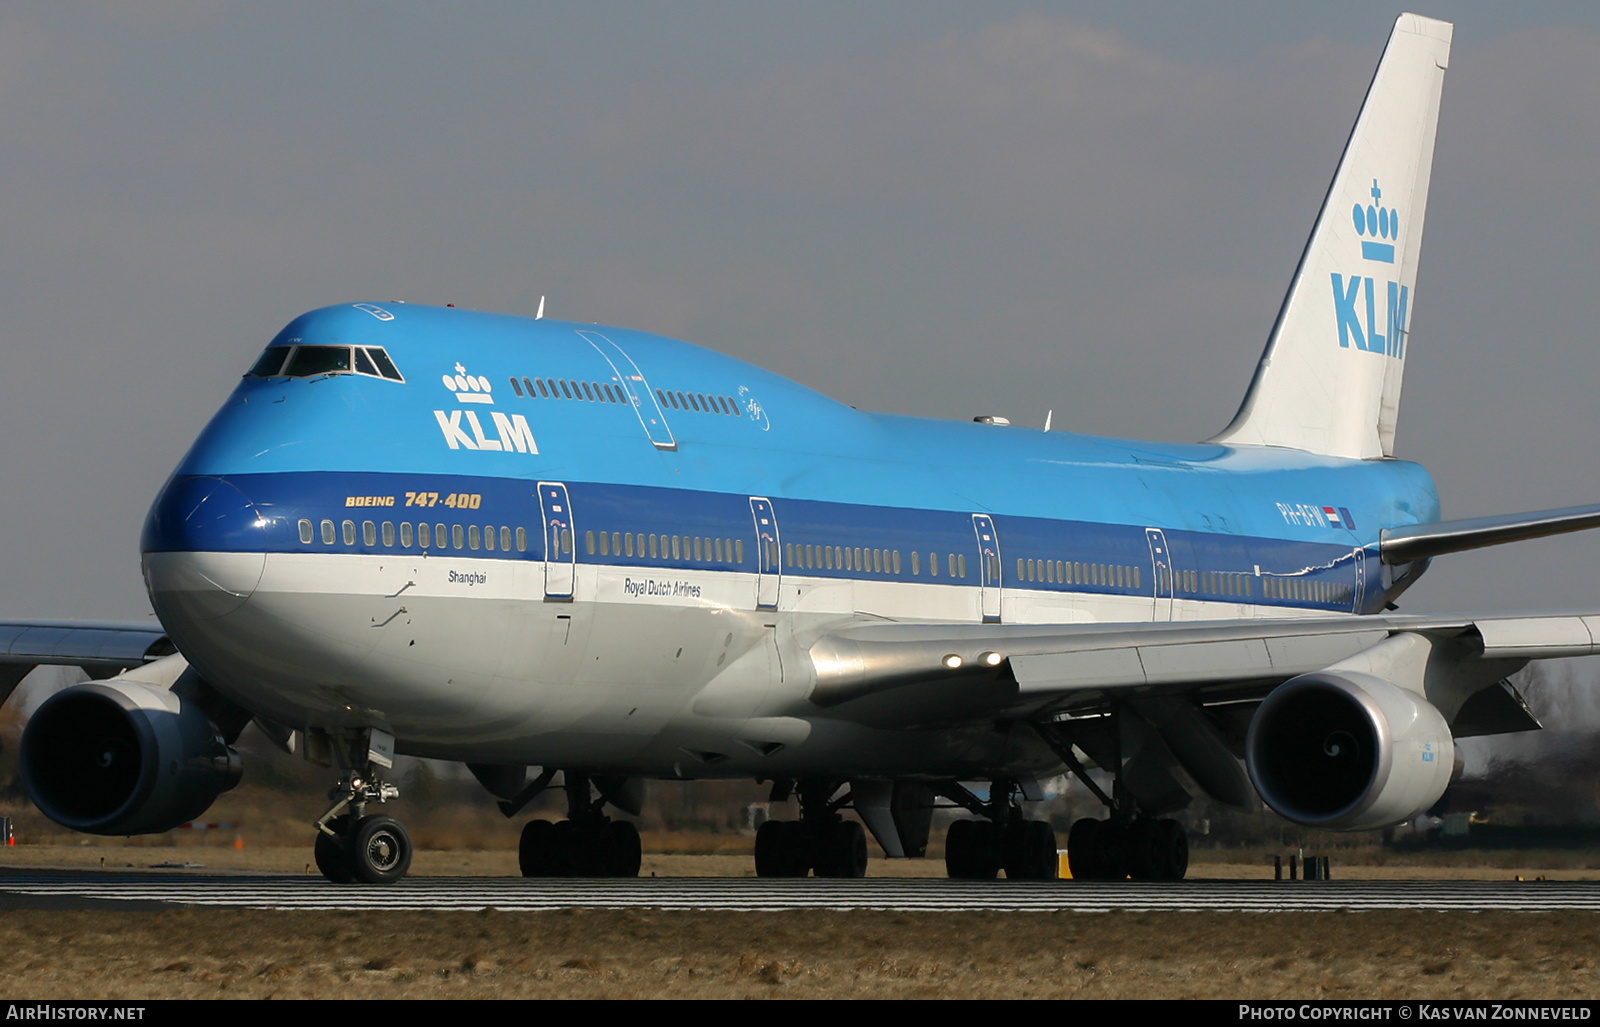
[1368, 319]
[1380, 222]
[467, 388]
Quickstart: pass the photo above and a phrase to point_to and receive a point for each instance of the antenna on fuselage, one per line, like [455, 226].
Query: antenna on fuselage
[539, 315]
[1047, 416]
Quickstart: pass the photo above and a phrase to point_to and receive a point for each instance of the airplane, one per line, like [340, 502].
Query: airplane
[584, 557]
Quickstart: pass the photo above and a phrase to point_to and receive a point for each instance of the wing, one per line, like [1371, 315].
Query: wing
[101, 648]
[1186, 691]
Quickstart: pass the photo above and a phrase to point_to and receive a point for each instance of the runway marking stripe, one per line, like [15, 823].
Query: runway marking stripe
[928, 895]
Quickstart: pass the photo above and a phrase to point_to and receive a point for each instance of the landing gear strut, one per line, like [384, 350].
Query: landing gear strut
[353, 846]
[586, 844]
[821, 841]
[1004, 840]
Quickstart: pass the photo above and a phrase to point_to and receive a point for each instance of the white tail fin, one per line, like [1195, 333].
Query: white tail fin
[1329, 381]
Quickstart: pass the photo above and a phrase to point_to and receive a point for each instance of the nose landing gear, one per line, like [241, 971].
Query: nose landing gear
[354, 847]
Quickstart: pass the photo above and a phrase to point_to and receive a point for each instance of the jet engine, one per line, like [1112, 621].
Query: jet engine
[1348, 751]
[118, 757]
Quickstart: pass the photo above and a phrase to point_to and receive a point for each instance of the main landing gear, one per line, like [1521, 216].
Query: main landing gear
[821, 841]
[586, 844]
[1130, 842]
[353, 846]
[1145, 849]
[978, 850]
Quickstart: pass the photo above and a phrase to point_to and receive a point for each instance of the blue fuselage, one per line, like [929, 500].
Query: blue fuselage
[667, 463]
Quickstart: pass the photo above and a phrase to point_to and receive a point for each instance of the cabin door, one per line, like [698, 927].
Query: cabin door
[769, 554]
[989, 577]
[1160, 573]
[560, 556]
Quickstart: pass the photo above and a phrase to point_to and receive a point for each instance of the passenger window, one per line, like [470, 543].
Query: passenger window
[566, 541]
[605, 545]
[505, 538]
[933, 565]
[698, 558]
[719, 551]
[896, 558]
[522, 539]
[738, 550]
[349, 533]
[423, 539]
[455, 536]
[1137, 577]
[405, 534]
[1021, 567]
[440, 535]
[474, 537]
[306, 532]
[677, 547]
[516, 386]
[488, 537]
[527, 385]
[369, 533]
[388, 533]
[916, 564]
[565, 391]
[588, 543]
[961, 571]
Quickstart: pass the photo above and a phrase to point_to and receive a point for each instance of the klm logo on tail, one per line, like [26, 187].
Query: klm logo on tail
[1380, 228]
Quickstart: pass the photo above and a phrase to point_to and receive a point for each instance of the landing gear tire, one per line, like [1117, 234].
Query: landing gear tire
[620, 848]
[1175, 850]
[772, 854]
[1030, 851]
[1145, 850]
[536, 849]
[332, 852]
[1083, 849]
[842, 850]
[972, 850]
[379, 850]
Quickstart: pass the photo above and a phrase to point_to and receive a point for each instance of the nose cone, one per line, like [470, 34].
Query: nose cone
[205, 547]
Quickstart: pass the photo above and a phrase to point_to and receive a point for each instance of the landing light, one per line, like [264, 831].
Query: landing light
[991, 659]
[953, 661]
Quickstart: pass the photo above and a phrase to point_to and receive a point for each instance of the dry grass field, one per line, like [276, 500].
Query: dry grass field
[802, 954]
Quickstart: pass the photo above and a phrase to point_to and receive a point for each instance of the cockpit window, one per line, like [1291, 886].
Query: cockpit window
[307, 361]
[271, 362]
[386, 366]
[315, 361]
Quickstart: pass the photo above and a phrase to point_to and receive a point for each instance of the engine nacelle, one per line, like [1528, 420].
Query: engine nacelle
[117, 757]
[1348, 751]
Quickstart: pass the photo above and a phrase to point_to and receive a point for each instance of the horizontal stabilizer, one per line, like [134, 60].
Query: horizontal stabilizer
[1421, 541]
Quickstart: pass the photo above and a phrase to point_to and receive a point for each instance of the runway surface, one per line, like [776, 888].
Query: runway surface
[109, 890]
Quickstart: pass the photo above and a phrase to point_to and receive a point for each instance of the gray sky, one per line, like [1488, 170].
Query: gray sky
[937, 208]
